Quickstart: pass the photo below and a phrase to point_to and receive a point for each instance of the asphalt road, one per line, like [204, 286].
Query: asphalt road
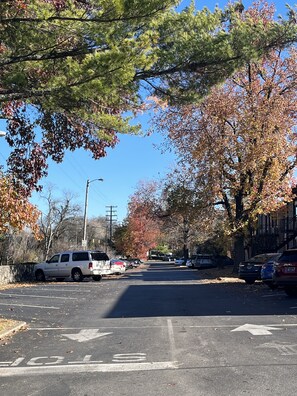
[156, 331]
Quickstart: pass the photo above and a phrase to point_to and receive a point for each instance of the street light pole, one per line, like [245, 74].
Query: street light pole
[84, 241]
[2, 134]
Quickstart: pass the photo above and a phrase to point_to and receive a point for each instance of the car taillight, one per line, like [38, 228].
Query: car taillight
[278, 268]
[91, 265]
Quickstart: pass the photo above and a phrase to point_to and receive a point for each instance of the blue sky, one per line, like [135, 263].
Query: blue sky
[134, 159]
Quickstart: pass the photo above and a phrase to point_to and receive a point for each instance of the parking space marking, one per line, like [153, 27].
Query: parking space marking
[85, 368]
[38, 296]
[274, 295]
[29, 306]
[171, 338]
[174, 326]
[65, 290]
[169, 326]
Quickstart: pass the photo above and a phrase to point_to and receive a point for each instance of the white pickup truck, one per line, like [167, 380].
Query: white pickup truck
[74, 264]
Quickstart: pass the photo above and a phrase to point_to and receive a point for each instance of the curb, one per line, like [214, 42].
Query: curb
[12, 329]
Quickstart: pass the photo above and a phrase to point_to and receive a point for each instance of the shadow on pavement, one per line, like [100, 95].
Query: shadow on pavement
[200, 300]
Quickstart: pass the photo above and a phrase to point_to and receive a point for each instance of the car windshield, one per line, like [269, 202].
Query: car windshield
[288, 257]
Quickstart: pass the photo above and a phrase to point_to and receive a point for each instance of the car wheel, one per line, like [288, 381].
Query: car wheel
[97, 278]
[291, 291]
[39, 276]
[77, 275]
[60, 279]
[249, 281]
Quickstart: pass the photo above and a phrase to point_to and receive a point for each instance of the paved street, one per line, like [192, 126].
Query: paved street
[157, 331]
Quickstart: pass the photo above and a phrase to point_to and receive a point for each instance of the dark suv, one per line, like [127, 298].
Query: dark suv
[285, 273]
[250, 270]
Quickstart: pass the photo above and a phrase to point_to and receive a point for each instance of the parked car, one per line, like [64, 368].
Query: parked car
[134, 262]
[250, 270]
[168, 257]
[180, 261]
[204, 261]
[126, 262]
[285, 273]
[77, 264]
[117, 266]
[267, 272]
[190, 261]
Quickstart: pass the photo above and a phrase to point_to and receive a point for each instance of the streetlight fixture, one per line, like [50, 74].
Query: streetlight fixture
[84, 240]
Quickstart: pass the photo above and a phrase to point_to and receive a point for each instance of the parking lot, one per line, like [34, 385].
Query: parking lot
[164, 322]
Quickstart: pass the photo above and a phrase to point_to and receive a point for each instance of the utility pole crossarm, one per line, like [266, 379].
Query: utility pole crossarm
[110, 215]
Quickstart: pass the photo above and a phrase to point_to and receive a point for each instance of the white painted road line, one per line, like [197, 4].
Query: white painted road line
[38, 296]
[29, 306]
[53, 289]
[174, 326]
[171, 338]
[86, 368]
[274, 295]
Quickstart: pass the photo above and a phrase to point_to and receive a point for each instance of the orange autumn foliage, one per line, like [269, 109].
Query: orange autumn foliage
[16, 212]
[143, 228]
[240, 142]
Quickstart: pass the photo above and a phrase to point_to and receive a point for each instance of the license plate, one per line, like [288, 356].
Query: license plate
[289, 269]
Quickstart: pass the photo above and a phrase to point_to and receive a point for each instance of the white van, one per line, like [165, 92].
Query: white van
[75, 264]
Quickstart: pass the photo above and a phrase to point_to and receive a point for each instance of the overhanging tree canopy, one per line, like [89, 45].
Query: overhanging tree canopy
[74, 68]
[70, 70]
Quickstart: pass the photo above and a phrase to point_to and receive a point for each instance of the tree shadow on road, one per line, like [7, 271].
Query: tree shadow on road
[226, 299]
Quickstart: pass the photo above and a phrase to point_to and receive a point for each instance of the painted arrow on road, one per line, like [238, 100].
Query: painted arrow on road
[256, 329]
[86, 335]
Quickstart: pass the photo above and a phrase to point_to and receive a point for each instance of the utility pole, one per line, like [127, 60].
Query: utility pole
[111, 217]
[84, 240]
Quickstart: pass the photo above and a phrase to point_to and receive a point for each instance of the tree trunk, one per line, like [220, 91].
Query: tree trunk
[186, 238]
[185, 252]
[238, 250]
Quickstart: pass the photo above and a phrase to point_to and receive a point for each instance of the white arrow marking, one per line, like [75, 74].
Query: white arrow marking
[86, 335]
[256, 329]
